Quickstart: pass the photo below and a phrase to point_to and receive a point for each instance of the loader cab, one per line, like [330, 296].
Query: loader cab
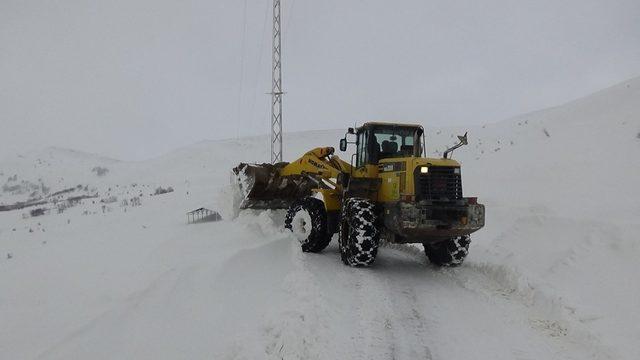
[377, 141]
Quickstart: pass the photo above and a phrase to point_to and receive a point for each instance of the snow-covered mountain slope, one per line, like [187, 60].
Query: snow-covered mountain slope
[552, 276]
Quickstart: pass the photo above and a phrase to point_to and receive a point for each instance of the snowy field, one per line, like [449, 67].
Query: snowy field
[555, 274]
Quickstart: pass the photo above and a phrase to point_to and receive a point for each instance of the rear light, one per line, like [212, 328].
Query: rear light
[472, 200]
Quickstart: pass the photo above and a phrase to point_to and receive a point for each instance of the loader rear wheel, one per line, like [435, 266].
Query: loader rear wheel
[359, 234]
[450, 253]
[307, 220]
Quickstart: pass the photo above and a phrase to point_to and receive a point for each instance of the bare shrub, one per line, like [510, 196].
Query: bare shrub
[160, 190]
[37, 212]
[135, 201]
[109, 200]
[100, 171]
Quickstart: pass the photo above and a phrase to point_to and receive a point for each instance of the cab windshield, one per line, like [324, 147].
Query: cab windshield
[383, 142]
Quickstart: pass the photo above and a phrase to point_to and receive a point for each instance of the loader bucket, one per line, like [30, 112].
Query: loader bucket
[262, 187]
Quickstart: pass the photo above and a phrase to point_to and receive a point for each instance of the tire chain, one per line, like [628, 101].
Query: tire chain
[450, 253]
[363, 236]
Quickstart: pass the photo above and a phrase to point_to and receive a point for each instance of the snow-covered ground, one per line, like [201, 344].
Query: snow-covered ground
[554, 275]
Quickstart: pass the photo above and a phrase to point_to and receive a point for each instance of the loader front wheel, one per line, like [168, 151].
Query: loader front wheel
[450, 253]
[307, 220]
[359, 233]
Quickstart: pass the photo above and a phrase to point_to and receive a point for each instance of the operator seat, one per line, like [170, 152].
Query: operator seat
[406, 150]
[389, 148]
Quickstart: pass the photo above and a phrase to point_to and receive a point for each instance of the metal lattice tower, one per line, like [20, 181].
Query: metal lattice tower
[276, 88]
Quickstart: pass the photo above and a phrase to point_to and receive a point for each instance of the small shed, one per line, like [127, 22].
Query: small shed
[202, 215]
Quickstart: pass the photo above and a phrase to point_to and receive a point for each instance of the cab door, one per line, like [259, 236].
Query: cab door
[364, 180]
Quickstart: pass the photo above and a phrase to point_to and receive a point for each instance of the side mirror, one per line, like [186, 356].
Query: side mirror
[351, 131]
[343, 144]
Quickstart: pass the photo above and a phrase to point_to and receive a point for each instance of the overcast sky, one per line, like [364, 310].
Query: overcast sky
[133, 79]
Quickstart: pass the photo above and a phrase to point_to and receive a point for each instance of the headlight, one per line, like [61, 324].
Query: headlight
[424, 170]
[456, 171]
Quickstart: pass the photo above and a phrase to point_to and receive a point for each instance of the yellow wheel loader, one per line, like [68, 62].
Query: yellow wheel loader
[388, 190]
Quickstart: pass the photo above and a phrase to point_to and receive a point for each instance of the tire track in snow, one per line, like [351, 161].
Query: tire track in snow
[383, 312]
[390, 323]
[502, 282]
[378, 321]
[375, 336]
[500, 286]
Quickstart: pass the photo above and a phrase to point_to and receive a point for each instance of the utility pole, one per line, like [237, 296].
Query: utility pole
[276, 87]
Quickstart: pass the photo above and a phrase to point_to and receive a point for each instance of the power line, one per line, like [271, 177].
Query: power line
[286, 23]
[242, 51]
[259, 63]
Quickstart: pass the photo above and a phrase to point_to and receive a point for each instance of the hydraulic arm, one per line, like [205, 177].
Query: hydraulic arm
[267, 186]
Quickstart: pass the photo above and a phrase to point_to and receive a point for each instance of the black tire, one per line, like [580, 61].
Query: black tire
[359, 234]
[450, 253]
[307, 220]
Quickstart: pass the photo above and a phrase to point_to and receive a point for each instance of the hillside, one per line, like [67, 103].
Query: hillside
[552, 276]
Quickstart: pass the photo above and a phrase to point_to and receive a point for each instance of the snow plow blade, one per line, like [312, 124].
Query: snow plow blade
[262, 187]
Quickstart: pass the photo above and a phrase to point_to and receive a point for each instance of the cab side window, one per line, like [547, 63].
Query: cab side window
[362, 148]
[407, 147]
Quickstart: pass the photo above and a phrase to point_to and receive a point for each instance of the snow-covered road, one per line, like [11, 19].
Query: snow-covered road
[256, 295]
